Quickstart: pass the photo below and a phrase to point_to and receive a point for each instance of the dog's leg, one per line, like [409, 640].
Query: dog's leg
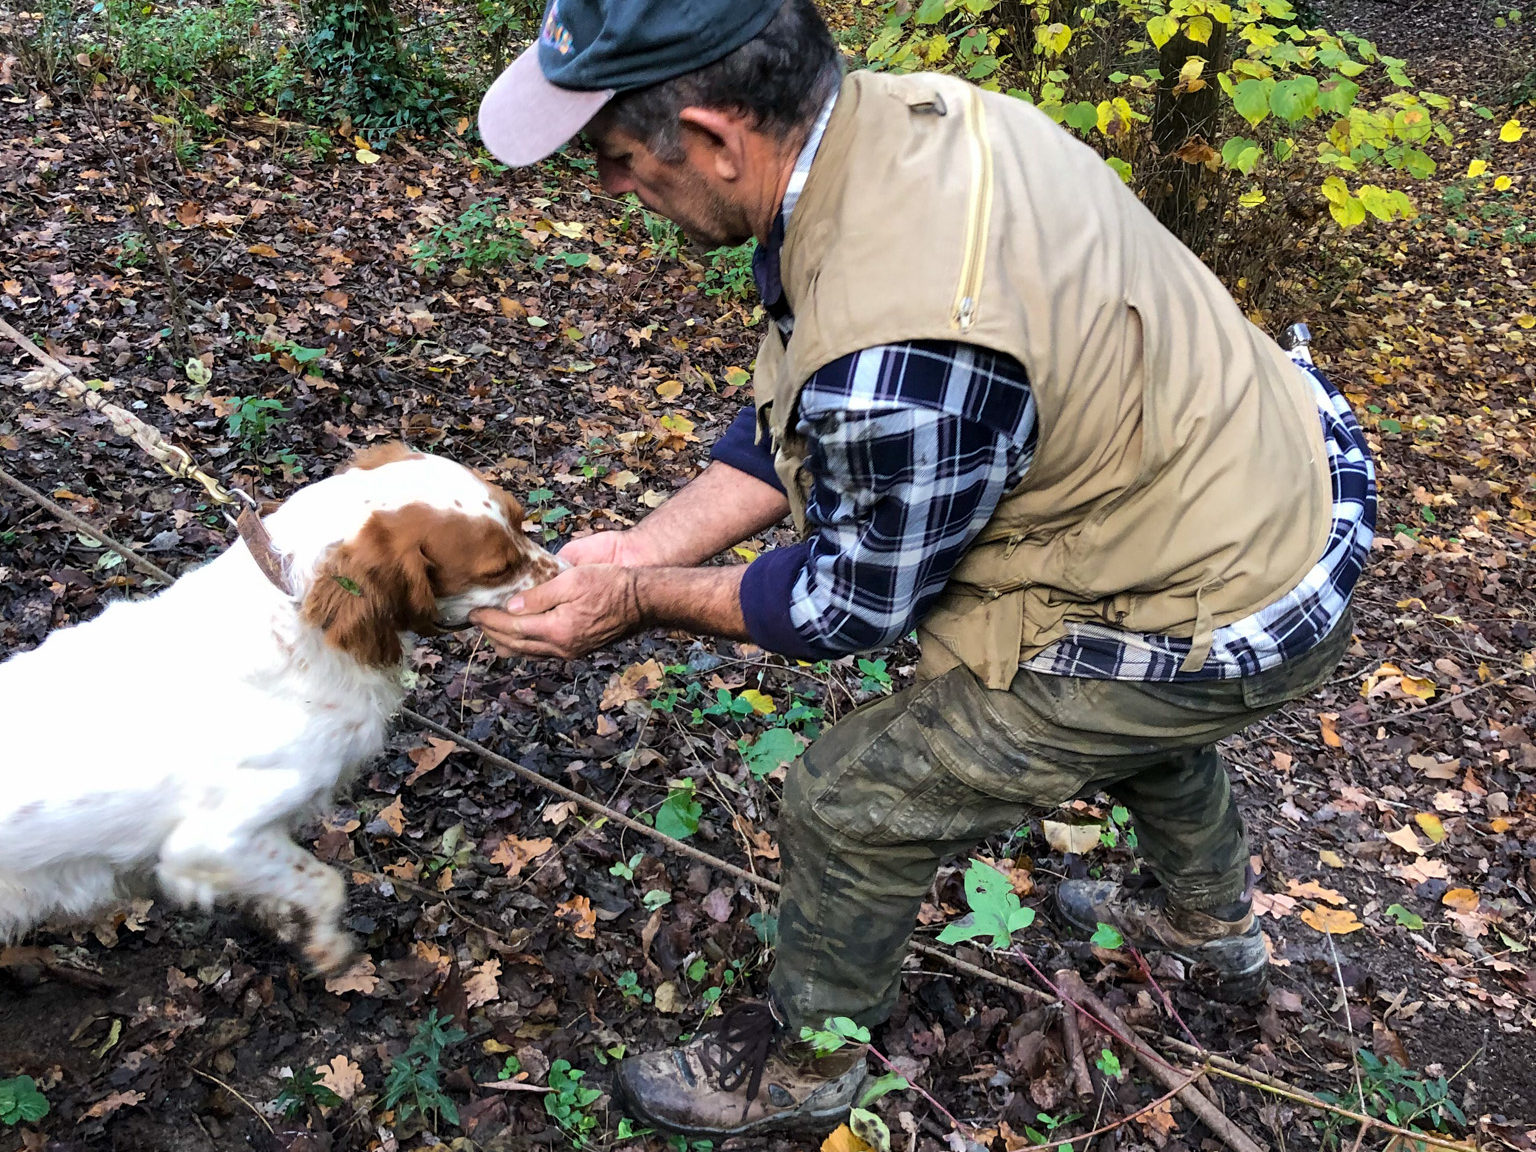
[288, 887]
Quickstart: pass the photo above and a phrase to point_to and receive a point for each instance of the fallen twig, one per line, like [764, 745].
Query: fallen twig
[1076, 993]
[1072, 1042]
[79, 525]
[267, 1124]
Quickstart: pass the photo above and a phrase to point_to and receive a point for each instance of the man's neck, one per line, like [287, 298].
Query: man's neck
[781, 168]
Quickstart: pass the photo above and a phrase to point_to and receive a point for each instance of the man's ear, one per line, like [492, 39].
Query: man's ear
[723, 135]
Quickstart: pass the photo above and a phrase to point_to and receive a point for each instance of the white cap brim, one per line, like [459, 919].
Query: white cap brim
[524, 118]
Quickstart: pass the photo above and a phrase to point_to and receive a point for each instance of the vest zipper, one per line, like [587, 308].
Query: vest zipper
[978, 213]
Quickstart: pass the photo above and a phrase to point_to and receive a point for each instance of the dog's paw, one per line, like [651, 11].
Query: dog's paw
[330, 954]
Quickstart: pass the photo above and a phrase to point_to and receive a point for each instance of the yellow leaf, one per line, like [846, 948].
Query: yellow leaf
[1511, 131]
[1329, 857]
[1418, 687]
[746, 554]
[1431, 825]
[1526, 320]
[366, 156]
[762, 704]
[1477, 168]
[1199, 29]
[678, 425]
[844, 1140]
[1460, 900]
[1503, 184]
[1334, 921]
[669, 389]
[1500, 825]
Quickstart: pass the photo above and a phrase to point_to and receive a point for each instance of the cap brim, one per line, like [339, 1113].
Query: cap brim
[524, 117]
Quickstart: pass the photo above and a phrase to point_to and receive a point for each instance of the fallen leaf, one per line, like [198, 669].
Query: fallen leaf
[513, 853]
[481, 987]
[1311, 890]
[1460, 900]
[1272, 904]
[1331, 858]
[1074, 838]
[1430, 823]
[634, 683]
[262, 250]
[1418, 687]
[1405, 839]
[1334, 921]
[843, 1139]
[112, 1103]
[1421, 870]
[392, 818]
[361, 977]
[366, 156]
[577, 914]
[1326, 722]
[761, 703]
[1159, 1119]
[668, 998]
[342, 1077]
[669, 389]
[429, 756]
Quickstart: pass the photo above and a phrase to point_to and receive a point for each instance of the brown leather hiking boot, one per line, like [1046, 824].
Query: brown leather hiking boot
[740, 1075]
[1227, 955]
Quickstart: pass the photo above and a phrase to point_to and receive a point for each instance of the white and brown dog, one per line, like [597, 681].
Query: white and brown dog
[182, 737]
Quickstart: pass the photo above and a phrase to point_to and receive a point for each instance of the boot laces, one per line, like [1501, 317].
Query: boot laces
[741, 1041]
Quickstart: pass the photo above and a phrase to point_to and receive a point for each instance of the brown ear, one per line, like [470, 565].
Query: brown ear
[377, 455]
[371, 589]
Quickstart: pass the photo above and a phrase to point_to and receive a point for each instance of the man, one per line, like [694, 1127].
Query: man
[1002, 405]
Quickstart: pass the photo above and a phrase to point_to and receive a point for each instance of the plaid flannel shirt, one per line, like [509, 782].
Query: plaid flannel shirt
[913, 445]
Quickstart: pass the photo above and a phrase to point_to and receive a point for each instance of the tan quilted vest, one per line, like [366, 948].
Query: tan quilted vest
[1181, 481]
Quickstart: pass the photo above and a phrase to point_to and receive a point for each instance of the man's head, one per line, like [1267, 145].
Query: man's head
[697, 106]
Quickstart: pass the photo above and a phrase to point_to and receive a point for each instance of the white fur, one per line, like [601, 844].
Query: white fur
[183, 736]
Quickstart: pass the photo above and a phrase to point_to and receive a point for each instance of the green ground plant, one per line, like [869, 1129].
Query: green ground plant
[413, 1085]
[21, 1102]
[481, 237]
[1398, 1095]
[253, 418]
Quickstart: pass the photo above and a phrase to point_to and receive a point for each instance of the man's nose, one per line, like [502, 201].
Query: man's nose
[615, 177]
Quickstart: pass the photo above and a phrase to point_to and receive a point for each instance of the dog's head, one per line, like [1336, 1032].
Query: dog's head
[433, 541]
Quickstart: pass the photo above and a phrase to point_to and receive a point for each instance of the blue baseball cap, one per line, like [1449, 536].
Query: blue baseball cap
[588, 51]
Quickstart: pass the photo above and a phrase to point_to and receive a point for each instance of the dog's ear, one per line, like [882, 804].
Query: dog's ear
[373, 587]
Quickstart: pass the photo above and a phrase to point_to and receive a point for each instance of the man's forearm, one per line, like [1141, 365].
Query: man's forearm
[702, 600]
[722, 506]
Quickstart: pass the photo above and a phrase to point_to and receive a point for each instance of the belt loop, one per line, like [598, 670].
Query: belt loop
[1200, 643]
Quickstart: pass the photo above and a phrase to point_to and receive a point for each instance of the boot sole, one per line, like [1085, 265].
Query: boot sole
[799, 1122]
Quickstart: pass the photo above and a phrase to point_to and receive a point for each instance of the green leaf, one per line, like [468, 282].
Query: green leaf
[350, 587]
[1409, 920]
[931, 11]
[1241, 154]
[1294, 99]
[1419, 165]
[770, 751]
[1105, 936]
[884, 1086]
[678, 816]
[1251, 100]
[995, 908]
[1121, 167]
[1338, 96]
[1082, 116]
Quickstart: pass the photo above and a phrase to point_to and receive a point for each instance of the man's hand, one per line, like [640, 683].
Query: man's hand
[583, 608]
[606, 548]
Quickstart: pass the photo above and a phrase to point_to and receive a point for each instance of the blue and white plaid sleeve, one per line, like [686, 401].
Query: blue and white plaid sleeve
[912, 447]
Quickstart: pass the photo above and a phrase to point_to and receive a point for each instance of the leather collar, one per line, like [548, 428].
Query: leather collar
[262, 550]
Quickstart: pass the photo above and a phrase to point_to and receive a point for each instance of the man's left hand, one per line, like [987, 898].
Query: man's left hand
[581, 609]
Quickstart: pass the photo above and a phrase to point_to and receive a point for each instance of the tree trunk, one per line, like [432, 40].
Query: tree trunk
[1184, 121]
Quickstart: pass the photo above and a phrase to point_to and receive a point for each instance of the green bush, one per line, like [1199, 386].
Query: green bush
[1237, 125]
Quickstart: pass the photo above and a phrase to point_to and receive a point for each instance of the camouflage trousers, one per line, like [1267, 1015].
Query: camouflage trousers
[889, 792]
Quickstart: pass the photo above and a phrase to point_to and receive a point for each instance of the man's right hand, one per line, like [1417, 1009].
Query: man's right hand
[603, 548]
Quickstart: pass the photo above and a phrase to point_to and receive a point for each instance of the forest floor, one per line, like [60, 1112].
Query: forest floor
[1395, 809]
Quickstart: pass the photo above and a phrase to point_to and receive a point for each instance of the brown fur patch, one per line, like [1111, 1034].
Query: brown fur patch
[378, 455]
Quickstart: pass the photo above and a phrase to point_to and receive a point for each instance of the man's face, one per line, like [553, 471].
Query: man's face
[688, 192]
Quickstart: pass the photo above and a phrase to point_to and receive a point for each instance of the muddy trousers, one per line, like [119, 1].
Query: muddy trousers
[892, 790]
